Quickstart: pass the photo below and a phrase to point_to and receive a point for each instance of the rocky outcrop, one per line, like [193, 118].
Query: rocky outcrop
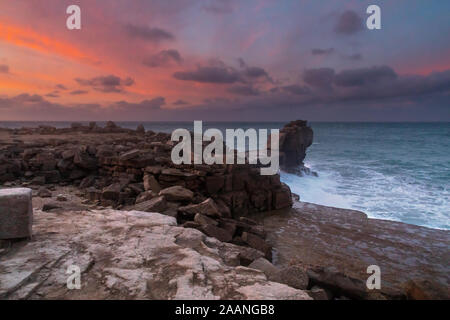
[128, 169]
[130, 255]
[295, 138]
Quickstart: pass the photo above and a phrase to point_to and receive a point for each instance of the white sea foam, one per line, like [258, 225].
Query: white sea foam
[380, 196]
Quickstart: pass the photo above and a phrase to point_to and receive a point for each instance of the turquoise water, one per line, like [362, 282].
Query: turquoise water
[394, 171]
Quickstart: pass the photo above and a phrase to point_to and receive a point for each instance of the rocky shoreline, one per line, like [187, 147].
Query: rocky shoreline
[95, 194]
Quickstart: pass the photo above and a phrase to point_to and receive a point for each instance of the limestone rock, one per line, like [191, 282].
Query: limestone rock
[16, 213]
[130, 255]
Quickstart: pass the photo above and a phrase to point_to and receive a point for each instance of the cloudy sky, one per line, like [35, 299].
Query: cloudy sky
[231, 60]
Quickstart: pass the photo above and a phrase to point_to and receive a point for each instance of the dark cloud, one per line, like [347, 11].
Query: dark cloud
[210, 74]
[354, 57]
[219, 73]
[4, 68]
[296, 89]
[349, 22]
[319, 78]
[180, 103]
[145, 105]
[155, 35]
[220, 6]
[364, 76]
[322, 52]
[163, 58]
[256, 73]
[37, 108]
[78, 92]
[244, 90]
[108, 84]
[367, 91]
[54, 94]
[61, 87]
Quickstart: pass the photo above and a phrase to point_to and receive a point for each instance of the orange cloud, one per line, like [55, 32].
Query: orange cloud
[28, 38]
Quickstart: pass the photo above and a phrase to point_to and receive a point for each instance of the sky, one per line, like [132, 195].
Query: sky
[225, 60]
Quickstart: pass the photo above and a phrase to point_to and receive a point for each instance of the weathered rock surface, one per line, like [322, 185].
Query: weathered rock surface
[336, 246]
[16, 213]
[130, 255]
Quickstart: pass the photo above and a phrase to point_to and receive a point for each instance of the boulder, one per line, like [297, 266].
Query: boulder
[207, 207]
[145, 196]
[272, 273]
[318, 293]
[295, 276]
[130, 155]
[84, 160]
[150, 183]
[216, 232]
[258, 243]
[157, 204]
[112, 192]
[282, 198]
[214, 184]
[44, 193]
[204, 220]
[16, 213]
[177, 193]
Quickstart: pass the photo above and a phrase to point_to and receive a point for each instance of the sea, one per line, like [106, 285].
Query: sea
[392, 171]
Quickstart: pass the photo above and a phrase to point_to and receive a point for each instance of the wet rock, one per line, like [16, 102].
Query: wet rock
[338, 282]
[426, 290]
[16, 213]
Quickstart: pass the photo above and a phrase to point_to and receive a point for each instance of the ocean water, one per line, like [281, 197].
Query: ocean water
[393, 171]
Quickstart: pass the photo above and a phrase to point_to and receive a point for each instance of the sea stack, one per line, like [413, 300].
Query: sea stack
[295, 138]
